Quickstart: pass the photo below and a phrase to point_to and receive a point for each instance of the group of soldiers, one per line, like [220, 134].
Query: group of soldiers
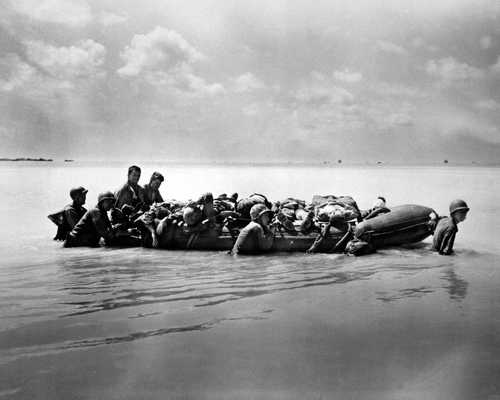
[139, 216]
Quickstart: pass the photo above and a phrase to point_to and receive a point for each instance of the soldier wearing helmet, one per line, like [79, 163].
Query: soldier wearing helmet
[257, 236]
[94, 224]
[446, 229]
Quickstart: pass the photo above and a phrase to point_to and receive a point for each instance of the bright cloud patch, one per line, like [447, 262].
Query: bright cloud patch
[81, 60]
[17, 75]
[347, 76]
[450, 70]
[400, 119]
[389, 47]
[488, 104]
[159, 50]
[321, 90]
[14, 72]
[74, 13]
[110, 19]
[247, 83]
[485, 42]
[163, 56]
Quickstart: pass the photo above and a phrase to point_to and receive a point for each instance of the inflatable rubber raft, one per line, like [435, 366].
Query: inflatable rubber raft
[218, 241]
[402, 225]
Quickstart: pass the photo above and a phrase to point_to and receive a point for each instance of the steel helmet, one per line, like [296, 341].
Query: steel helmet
[105, 196]
[257, 210]
[458, 205]
[75, 191]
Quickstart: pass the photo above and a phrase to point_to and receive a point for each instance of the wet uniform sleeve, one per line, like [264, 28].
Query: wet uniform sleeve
[120, 198]
[72, 217]
[264, 239]
[102, 227]
[320, 239]
[250, 237]
[159, 198]
[240, 240]
[447, 241]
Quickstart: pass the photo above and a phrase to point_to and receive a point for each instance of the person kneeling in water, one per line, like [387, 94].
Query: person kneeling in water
[94, 224]
[257, 236]
[446, 229]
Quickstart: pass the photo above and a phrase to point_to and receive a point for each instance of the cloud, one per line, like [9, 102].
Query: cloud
[450, 70]
[400, 119]
[192, 83]
[485, 42]
[389, 47]
[247, 83]
[16, 75]
[73, 13]
[417, 42]
[348, 77]
[14, 72]
[488, 104]
[160, 50]
[321, 90]
[251, 110]
[495, 68]
[320, 96]
[164, 57]
[81, 60]
[109, 19]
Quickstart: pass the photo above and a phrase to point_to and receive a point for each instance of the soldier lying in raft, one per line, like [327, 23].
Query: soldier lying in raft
[379, 207]
[195, 216]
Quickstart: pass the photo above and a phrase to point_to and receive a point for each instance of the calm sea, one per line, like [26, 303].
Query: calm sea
[157, 324]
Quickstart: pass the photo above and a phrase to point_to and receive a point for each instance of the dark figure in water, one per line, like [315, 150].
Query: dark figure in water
[257, 236]
[152, 189]
[446, 229]
[131, 194]
[71, 214]
[94, 225]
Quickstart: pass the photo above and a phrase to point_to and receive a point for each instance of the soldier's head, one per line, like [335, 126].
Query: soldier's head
[134, 174]
[78, 195]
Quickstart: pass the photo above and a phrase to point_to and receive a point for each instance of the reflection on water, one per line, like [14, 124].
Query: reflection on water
[457, 287]
[17, 353]
[405, 293]
[146, 285]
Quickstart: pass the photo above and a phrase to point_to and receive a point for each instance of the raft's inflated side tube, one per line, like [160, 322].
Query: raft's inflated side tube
[213, 240]
[402, 225]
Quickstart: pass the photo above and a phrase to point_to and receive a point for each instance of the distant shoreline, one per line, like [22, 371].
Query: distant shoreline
[26, 159]
[324, 164]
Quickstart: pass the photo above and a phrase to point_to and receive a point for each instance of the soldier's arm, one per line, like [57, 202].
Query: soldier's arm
[103, 229]
[72, 217]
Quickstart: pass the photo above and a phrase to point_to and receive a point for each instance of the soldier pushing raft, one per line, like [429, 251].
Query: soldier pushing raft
[331, 224]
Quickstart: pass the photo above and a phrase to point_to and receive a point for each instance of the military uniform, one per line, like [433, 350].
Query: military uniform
[93, 226]
[132, 195]
[253, 239]
[444, 235]
[152, 195]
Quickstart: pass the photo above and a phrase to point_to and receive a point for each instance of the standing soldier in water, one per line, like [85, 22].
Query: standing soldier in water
[131, 194]
[71, 214]
[257, 236]
[152, 189]
[94, 225]
[446, 229]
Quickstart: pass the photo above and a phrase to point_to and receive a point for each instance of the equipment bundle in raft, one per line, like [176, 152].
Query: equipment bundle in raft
[402, 225]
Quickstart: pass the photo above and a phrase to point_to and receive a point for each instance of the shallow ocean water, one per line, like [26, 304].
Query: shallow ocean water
[153, 324]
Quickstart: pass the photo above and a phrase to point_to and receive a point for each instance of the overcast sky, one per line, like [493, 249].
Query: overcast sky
[398, 81]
